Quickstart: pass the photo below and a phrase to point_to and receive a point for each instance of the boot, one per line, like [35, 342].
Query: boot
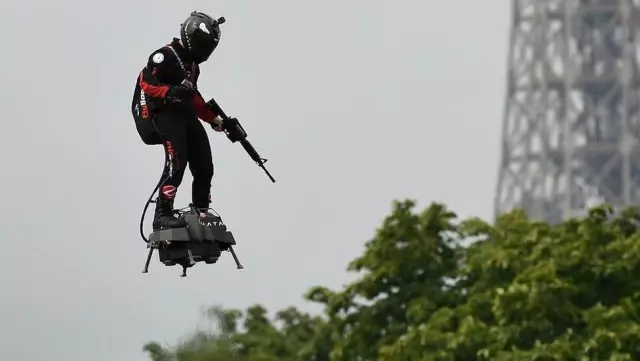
[201, 198]
[164, 217]
[204, 212]
[203, 207]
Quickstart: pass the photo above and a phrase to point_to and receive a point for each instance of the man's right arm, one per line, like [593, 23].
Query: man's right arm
[161, 62]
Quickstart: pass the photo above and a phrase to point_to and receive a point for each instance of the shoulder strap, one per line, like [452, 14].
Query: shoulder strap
[193, 65]
[177, 57]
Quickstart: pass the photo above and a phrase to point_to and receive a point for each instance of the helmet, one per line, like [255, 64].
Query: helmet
[200, 34]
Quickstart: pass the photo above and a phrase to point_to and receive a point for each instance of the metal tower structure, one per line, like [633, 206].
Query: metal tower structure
[572, 114]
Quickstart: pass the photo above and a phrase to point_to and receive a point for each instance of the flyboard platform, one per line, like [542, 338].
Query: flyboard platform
[203, 239]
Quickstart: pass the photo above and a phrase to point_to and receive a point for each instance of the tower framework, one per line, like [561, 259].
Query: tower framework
[572, 114]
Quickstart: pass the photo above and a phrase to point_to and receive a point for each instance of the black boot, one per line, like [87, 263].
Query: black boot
[202, 206]
[202, 211]
[164, 217]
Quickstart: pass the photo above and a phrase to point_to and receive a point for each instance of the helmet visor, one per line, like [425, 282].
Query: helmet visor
[204, 44]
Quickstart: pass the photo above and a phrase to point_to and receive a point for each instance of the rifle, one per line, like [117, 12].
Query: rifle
[236, 133]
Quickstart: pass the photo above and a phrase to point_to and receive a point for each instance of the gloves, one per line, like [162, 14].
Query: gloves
[217, 124]
[180, 92]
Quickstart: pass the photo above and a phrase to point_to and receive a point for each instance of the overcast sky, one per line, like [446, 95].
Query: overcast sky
[355, 103]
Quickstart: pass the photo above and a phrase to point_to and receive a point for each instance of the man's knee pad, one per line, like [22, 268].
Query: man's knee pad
[168, 192]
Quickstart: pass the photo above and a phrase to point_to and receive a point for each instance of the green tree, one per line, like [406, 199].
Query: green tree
[407, 271]
[206, 344]
[249, 336]
[522, 290]
[540, 292]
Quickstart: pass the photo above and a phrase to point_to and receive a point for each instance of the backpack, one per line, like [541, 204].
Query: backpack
[143, 117]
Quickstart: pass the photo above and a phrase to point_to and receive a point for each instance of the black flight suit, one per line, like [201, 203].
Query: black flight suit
[175, 123]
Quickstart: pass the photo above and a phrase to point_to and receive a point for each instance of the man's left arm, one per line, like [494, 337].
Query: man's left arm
[203, 111]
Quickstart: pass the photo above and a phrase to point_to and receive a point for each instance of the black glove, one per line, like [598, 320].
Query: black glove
[180, 92]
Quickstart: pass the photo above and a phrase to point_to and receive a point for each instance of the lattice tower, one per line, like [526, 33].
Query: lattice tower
[571, 119]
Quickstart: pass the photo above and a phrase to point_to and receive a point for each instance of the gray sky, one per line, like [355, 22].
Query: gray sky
[355, 103]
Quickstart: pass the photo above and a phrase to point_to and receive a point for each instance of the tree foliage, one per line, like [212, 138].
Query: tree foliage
[431, 287]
